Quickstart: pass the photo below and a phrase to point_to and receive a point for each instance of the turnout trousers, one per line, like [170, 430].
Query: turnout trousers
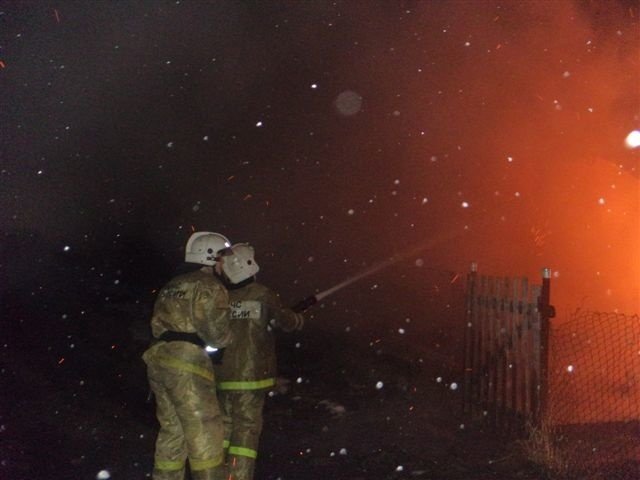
[191, 425]
[242, 427]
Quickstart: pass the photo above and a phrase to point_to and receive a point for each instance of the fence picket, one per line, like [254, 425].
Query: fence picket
[502, 359]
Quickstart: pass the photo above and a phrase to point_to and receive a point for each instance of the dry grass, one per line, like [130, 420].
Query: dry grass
[543, 447]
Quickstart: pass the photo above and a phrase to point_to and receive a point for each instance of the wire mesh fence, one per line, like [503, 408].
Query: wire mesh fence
[593, 415]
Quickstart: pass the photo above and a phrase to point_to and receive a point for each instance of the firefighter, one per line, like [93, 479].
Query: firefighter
[190, 313]
[248, 367]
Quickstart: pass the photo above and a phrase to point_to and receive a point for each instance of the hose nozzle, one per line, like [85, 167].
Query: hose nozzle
[302, 305]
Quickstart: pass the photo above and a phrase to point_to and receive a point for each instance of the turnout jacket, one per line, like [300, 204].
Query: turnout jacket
[249, 363]
[194, 302]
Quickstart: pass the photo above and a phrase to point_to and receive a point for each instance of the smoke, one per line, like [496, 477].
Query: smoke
[540, 98]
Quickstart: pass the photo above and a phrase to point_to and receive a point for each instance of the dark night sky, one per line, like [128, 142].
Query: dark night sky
[329, 135]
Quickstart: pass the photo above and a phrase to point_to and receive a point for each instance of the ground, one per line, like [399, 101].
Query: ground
[350, 426]
[76, 404]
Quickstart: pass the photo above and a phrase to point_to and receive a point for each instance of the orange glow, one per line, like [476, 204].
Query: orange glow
[570, 199]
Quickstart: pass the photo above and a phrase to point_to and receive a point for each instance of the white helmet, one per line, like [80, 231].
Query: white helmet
[241, 264]
[204, 247]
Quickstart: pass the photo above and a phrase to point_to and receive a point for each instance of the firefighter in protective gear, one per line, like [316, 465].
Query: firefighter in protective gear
[248, 367]
[190, 312]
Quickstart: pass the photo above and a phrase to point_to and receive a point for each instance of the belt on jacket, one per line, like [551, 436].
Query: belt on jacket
[191, 337]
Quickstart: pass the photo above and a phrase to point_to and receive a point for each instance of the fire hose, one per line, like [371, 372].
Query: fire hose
[311, 300]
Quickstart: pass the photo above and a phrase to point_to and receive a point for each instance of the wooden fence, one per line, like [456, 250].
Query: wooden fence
[506, 343]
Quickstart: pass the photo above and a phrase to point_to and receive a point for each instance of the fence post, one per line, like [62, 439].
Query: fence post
[546, 311]
[470, 333]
